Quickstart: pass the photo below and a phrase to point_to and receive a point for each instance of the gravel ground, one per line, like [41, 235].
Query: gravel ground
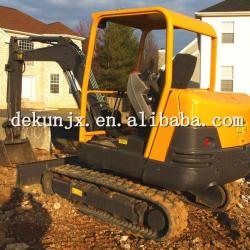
[31, 220]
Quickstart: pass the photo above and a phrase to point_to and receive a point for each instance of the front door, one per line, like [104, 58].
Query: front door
[28, 87]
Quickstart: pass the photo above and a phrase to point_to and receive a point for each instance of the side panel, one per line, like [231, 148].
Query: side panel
[213, 108]
[164, 133]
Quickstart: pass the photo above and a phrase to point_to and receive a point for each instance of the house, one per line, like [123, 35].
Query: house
[44, 83]
[231, 20]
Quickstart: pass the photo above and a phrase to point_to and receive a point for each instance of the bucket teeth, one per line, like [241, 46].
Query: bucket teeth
[4, 159]
[12, 153]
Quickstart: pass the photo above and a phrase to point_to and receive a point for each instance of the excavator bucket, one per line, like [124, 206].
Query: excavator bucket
[16, 153]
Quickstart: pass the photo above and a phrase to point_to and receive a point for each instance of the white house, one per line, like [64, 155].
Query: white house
[231, 20]
[44, 83]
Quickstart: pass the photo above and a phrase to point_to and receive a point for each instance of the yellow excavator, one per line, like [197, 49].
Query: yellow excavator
[140, 178]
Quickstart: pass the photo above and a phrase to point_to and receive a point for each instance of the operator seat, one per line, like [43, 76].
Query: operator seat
[183, 70]
[137, 89]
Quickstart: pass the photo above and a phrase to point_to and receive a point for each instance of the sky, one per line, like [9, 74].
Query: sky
[70, 12]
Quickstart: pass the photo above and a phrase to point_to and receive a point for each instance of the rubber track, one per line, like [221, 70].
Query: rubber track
[172, 206]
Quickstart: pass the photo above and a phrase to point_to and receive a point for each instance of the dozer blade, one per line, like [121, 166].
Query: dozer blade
[32, 172]
[12, 153]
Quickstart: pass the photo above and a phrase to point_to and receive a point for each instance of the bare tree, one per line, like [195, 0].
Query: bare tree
[82, 28]
[150, 53]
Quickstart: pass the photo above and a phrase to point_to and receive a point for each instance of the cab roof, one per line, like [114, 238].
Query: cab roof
[154, 18]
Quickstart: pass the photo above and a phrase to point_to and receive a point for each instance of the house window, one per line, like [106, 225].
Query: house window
[25, 45]
[228, 32]
[227, 75]
[54, 83]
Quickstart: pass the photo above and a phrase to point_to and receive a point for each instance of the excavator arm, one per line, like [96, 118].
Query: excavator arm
[72, 61]
[61, 50]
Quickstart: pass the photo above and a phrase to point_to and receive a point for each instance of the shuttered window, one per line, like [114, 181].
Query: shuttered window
[227, 75]
[25, 45]
[228, 32]
[54, 83]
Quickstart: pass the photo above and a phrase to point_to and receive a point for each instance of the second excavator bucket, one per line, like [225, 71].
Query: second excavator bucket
[12, 153]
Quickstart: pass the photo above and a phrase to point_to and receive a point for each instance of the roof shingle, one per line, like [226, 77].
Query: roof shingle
[229, 6]
[14, 19]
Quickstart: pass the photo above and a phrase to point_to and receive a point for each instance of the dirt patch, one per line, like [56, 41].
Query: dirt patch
[50, 222]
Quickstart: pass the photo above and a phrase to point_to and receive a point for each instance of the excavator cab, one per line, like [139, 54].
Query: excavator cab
[147, 97]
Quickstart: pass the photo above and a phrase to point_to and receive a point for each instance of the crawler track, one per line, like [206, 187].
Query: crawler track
[174, 209]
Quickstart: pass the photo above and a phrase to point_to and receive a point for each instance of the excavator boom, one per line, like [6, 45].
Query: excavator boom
[70, 58]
